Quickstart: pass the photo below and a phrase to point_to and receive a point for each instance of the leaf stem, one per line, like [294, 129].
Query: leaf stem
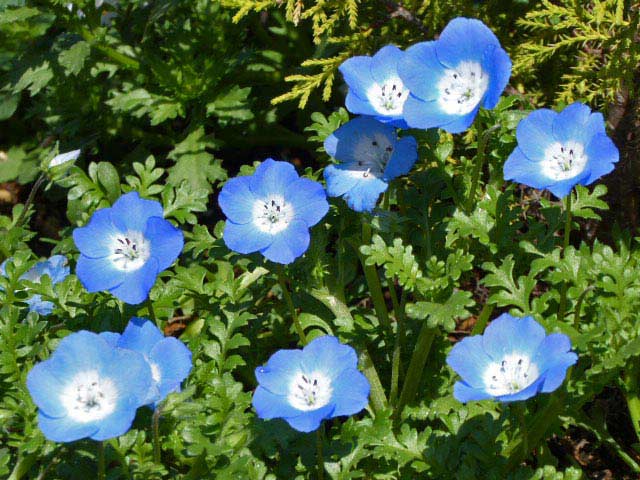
[101, 462]
[373, 281]
[565, 244]
[319, 444]
[287, 296]
[155, 426]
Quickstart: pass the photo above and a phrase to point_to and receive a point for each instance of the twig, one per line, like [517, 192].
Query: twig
[397, 10]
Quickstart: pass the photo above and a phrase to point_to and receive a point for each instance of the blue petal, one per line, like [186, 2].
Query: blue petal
[357, 74]
[464, 39]
[140, 335]
[524, 394]
[95, 239]
[465, 393]
[116, 424]
[339, 180]
[405, 154]
[461, 123]
[166, 241]
[497, 64]
[78, 351]
[41, 307]
[236, 200]
[327, 355]
[572, 124]
[137, 284]
[64, 429]
[288, 244]
[506, 335]
[420, 71]
[45, 390]
[520, 169]
[602, 154]
[269, 405]
[364, 195]
[130, 212]
[98, 274]
[384, 64]
[553, 358]
[352, 141]
[562, 188]
[281, 367]
[310, 421]
[350, 392]
[272, 178]
[132, 375]
[173, 359]
[469, 360]
[359, 106]
[56, 268]
[421, 114]
[110, 337]
[309, 200]
[535, 133]
[245, 238]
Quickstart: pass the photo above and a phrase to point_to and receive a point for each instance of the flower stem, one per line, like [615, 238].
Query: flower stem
[633, 401]
[152, 313]
[482, 137]
[319, 444]
[287, 296]
[155, 426]
[416, 367]
[520, 410]
[398, 311]
[483, 318]
[377, 397]
[567, 233]
[30, 198]
[101, 463]
[371, 276]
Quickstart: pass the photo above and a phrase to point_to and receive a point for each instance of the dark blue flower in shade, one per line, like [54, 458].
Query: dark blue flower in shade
[452, 77]
[168, 358]
[88, 388]
[513, 360]
[124, 247]
[370, 155]
[306, 386]
[56, 268]
[557, 151]
[374, 85]
[271, 211]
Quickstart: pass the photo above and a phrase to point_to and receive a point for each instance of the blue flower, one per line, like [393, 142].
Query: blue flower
[306, 386]
[168, 358]
[123, 248]
[513, 360]
[371, 155]
[374, 85]
[452, 77]
[87, 388]
[56, 268]
[557, 151]
[271, 211]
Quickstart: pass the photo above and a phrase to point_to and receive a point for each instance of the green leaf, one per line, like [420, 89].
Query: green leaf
[109, 179]
[443, 314]
[231, 105]
[73, 59]
[35, 78]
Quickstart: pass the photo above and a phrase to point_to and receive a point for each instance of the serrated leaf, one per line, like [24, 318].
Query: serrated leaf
[73, 59]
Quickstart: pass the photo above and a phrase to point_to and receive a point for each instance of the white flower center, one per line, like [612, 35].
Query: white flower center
[130, 251]
[309, 392]
[514, 373]
[89, 397]
[462, 88]
[273, 214]
[155, 372]
[388, 98]
[562, 161]
[373, 154]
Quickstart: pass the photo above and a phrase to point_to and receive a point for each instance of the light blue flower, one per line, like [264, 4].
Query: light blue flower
[306, 386]
[168, 358]
[371, 155]
[124, 247]
[271, 211]
[374, 85]
[87, 388]
[557, 151]
[513, 360]
[452, 77]
[56, 268]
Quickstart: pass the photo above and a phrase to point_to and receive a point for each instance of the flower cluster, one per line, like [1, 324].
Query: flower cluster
[92, 384]
[56, 268]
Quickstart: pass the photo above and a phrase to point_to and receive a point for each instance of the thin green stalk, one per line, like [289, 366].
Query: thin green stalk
[398, 311]
[632, 395]
[483, 318]
[287, 296]
[427, 229]
[562, 308]
[101, 463]
[377, 398]
[122, 59]
[373, 281]
[520, 409]
[416, 367]
[319, 444]
[155, 424]
[482, 139]
[32, 195]
[152, 313]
